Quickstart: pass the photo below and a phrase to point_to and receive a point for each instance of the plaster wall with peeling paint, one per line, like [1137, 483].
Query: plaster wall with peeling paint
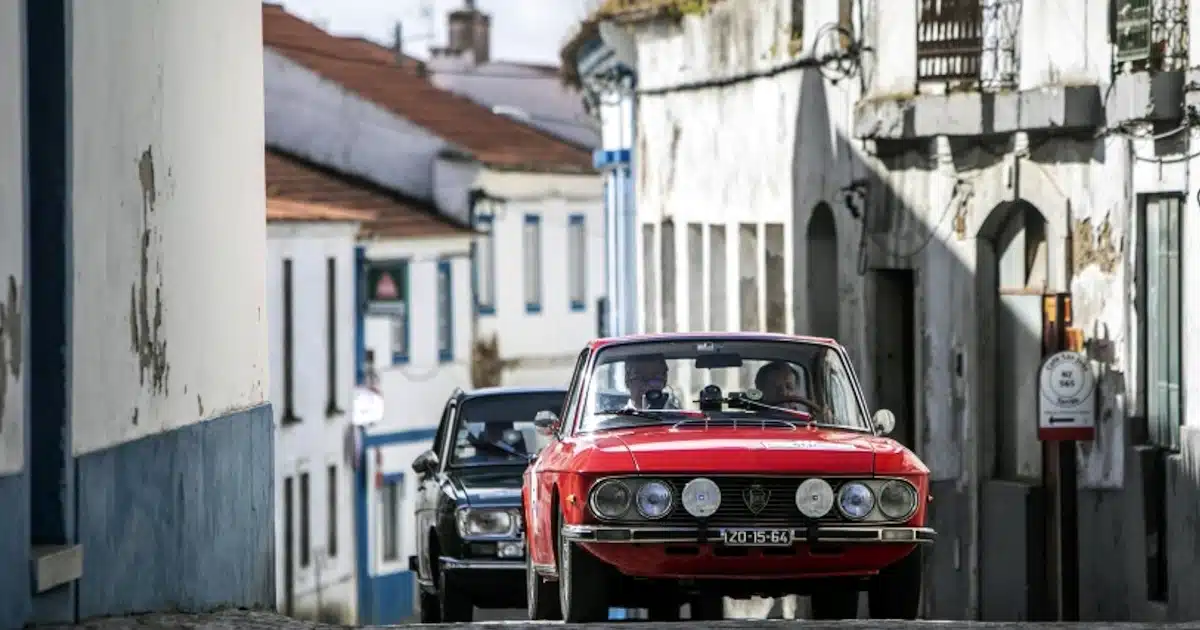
[313, 445]
[981, 226]
[14, 364]
[167, 184]
[12, 243]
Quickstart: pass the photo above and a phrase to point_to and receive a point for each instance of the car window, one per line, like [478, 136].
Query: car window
[571, 405]
[439, 438]
[666, 378]
[843, 400]
[499, 429]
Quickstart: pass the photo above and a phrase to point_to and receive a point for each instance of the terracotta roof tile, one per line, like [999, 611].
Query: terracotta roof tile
[361, 68]
[298, 190]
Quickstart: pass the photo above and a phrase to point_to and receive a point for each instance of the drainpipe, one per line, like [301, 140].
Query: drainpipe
[360, 493]
[474, 196]
[629, 274]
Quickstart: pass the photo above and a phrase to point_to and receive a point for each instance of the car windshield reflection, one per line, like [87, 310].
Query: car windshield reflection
[499, 430]
[723, 381]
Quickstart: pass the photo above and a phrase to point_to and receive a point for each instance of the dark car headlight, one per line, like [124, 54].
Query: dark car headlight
[487, 523]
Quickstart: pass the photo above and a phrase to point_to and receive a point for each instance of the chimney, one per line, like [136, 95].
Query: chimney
[469, 29]
[398, 42]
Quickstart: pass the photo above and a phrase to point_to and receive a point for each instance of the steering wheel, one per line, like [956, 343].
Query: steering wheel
[807, 402]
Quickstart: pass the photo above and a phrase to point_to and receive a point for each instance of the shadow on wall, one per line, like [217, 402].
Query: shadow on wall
[887, 249]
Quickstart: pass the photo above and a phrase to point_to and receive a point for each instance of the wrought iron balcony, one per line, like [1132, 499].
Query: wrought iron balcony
[968, 44]
[1150, 35]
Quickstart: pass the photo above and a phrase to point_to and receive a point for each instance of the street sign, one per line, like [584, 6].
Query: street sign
[1067, 398]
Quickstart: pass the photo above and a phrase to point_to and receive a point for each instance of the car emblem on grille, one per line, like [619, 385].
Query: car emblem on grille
[756, 498]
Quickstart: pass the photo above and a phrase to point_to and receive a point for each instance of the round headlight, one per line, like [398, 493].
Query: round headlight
[611, 499]
[814, 498]
[897, 500]
[855, 501]
[701, 497]
[654, 499]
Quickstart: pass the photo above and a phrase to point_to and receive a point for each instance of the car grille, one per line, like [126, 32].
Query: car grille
[780, 508]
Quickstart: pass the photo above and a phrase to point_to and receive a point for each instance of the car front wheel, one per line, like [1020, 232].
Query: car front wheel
[896, 592]
[582, 587]
[455, 605]
[541, 598]
[431, 608]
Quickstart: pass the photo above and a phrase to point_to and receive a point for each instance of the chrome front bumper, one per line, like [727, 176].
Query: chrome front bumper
[820, 534]
[459, 564]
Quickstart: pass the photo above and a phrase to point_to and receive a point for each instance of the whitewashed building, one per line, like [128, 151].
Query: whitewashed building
[134, 409]
[841, 169]
[313, 221]
[352, 105]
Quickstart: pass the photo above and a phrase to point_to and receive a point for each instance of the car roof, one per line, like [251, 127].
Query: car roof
[596, 344]
[486, 392]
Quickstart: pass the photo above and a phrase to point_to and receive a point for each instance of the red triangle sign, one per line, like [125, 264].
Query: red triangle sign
[385, 289]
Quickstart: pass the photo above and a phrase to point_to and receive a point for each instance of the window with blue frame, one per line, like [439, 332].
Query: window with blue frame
[388, 294]
[485, 266]
[391, 501]
[577, 262]
[445, 311]
[532, 247]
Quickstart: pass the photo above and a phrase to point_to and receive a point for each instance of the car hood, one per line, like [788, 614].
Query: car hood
[489, 488]
[748, 450]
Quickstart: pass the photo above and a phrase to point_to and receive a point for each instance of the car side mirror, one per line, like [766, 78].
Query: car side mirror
[425, 463]
[885, 421]
[546, 421]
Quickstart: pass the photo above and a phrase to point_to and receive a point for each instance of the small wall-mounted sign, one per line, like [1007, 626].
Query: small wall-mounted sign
[1067, 398]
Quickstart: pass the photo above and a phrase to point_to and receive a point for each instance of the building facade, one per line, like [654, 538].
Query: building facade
[313, 222]
[139, 157]
[600, 60]
[829, 168]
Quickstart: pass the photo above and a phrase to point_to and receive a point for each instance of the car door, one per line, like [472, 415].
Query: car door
[427, 494]
[539, 477]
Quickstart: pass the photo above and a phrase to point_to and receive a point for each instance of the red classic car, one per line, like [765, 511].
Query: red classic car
[686, 467]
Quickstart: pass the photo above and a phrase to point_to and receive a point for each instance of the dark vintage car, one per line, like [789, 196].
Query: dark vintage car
[469, 534]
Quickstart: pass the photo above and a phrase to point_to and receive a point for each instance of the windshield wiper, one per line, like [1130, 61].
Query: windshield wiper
[648, 414]
[498, 447]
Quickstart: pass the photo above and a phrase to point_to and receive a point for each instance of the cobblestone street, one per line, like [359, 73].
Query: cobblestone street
[251, 620]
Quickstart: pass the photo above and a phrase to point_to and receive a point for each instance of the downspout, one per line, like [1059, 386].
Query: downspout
[361, 544]
[474, 196]
[629, 304]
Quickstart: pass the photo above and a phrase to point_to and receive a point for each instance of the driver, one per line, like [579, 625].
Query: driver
[647, 374]
[779, 381]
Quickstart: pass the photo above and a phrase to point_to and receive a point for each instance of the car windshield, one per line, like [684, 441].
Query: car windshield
[660, 382]
[499, 429]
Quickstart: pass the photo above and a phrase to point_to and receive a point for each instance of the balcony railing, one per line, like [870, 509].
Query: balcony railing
[1150, 35]
[969, 44]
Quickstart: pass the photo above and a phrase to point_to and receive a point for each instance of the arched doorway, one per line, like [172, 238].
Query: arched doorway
[822, 295]
[1021, 276]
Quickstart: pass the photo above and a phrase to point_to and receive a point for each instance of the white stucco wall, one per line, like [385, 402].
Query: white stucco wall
[770, 150]
[168, 201]
[320, 120]
[537, 93]
[12, 238]
[544, 345]
[317, 441]
[415, 392]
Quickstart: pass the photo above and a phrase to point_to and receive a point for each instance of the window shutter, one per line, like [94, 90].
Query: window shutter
[1132, 30]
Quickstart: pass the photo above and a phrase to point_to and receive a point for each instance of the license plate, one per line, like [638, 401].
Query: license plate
[756, 537]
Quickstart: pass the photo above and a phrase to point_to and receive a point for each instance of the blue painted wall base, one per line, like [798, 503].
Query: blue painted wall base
[182, 520]
[15, 604]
